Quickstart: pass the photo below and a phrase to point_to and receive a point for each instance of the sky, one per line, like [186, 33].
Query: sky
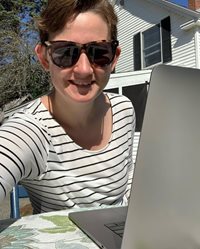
[181, 2]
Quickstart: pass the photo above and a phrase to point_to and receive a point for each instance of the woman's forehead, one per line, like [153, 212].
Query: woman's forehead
[86, 26]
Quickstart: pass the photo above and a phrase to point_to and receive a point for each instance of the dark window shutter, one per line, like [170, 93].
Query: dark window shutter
[166, 39]
[137, 52]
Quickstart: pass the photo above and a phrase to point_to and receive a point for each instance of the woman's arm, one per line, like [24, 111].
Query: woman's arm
[24, 146]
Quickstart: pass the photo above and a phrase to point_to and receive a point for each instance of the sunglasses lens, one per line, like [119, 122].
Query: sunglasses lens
[65, 55]
[101, 54]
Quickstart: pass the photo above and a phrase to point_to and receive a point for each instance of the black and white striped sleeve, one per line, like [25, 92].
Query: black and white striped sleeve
[24, 146]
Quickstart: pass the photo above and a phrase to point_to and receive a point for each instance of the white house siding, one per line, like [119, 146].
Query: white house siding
[183, 46]
[139, 15]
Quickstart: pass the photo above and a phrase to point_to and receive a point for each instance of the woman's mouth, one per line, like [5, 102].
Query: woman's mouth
[82, 87]
[82, 84]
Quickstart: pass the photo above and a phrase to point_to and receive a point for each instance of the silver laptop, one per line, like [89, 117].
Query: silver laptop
[164, 207]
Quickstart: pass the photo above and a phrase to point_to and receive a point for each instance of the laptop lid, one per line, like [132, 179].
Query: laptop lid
[164, 207]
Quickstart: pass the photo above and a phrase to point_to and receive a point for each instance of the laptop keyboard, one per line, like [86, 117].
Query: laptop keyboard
[117, 228]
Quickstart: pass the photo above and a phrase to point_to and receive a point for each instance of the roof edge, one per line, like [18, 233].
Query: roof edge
[178, 8]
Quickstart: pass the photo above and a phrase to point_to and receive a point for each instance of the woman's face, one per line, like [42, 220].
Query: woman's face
[82, 82]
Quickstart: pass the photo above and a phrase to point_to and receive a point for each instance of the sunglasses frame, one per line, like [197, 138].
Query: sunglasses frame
[82, 47]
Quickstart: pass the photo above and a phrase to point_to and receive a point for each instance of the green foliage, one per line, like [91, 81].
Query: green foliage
[20, 72]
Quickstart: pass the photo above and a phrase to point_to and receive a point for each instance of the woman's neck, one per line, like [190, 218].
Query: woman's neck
[71, 114]
[88, 124]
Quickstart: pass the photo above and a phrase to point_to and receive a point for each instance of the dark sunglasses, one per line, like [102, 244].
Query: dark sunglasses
[66, 53]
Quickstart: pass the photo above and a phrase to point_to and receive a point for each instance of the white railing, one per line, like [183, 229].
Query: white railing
[120, 80]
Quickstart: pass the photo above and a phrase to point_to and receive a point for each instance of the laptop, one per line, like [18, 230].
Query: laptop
[164, 206]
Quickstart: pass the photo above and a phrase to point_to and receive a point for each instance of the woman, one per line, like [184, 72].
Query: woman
[73, 147]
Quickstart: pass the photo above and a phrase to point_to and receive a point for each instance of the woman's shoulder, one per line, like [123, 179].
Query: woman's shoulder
[35, 107]
[33, 110]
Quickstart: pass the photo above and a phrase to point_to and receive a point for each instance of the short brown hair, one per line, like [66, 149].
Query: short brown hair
[58, 12]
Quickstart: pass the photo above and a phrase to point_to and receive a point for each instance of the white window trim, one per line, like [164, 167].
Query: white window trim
[142, 48]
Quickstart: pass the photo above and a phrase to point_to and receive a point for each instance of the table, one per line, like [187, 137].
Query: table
[51, 230]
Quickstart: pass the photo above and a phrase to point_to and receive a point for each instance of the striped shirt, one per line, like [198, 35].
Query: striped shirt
[58, 173]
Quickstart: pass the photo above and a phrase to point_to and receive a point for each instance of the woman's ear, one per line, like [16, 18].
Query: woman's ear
[41, 53]
[117, 54]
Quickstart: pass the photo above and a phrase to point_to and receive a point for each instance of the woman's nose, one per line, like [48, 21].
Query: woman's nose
[83, 65]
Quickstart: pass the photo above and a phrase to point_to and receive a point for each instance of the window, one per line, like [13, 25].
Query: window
[153, 45]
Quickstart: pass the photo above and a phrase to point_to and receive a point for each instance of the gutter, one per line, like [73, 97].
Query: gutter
[190, 25]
